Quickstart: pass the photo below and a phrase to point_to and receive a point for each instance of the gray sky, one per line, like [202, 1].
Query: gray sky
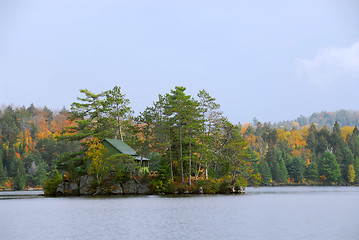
[273, 60]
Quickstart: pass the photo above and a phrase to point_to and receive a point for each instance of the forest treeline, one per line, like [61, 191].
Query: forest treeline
[343, 117]
[189, 142]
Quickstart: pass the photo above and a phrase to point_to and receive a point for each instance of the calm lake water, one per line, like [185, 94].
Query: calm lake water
[261, 213]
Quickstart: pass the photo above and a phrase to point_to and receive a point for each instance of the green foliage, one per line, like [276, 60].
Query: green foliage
[52, 183]
[155, 161]
[162, 183]
[311, 172]
[329, 169]
[209, 186]
[265, 172]
[225, 185]
[189, 135]
[40, 175]
[98, 115]
[348, 160]
[19, 173]
[3, 175]
[296, 169]
[47, 148]
[282, 175]
[356, 169]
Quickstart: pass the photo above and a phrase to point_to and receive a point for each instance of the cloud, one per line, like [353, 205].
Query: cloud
[330, 66]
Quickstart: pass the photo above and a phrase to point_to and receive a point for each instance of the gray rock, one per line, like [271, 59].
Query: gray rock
[60, 189]
[116, 189]
[143, 189]
[74, 188]
[130, 187]
[85, 184]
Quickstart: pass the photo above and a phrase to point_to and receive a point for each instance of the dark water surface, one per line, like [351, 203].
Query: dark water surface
[262, 213]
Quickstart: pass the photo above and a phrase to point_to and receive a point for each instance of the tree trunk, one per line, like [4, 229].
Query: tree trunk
[171, 163]
[181, 154]
[189, 164]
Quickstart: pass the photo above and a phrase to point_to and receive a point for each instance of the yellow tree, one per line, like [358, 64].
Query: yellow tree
[351, 173]
[96, 155]
[345, 131]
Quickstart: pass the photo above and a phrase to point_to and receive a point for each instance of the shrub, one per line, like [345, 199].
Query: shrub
[209, 186]
[52, 183]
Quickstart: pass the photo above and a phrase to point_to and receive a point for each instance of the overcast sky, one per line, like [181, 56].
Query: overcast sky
[273, 60]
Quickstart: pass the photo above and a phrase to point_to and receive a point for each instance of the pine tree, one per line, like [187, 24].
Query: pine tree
[329, 169]
[3, 176]
[265, 172]
[311, 172]
[296, 169]
[282, 173]
[356, 169]
[19, 175]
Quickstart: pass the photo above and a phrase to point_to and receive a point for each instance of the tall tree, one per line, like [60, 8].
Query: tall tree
[116, 108]
[179, 109]
[264, 170]
[282, 175]
[210, 118]
[235, 155]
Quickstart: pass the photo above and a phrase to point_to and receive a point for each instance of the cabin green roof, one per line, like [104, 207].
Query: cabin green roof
[121, 146]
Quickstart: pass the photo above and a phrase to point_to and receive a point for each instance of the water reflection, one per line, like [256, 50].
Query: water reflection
[279, 213]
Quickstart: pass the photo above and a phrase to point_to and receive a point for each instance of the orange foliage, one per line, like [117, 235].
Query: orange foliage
[244, 128]
[43, 127]
[8, 184]
[60, 122]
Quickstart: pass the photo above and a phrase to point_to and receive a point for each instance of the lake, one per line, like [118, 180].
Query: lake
[261, 213]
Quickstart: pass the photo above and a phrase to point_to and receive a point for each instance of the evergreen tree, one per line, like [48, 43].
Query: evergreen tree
[282, 176]
[312, 141]
[182, 113]
[40, 175]
[311, 172]
[235, 155]
[329, 169]
[347, 160]
[265, 172]
[271, 159]
[210, 117]
[353, 142]
[323, 143]
[47, 149]
[3, 176]
[356, 170]
[337, 143]
[19, 174]
[296, 169]
[10, 125]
